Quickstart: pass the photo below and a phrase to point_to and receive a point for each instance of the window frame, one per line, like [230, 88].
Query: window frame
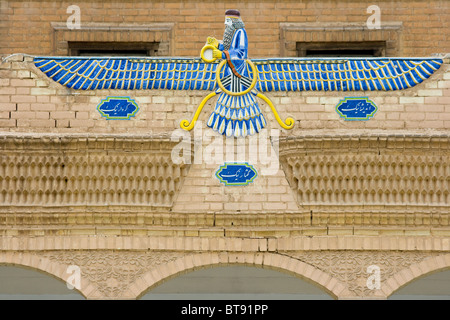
[81, 48]
[391, 33]
[163, 33]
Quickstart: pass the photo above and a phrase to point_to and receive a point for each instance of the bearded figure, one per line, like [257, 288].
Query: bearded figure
[239, 115]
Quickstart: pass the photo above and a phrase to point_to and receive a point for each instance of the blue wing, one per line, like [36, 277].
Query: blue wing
[87, 73]
[302, 74]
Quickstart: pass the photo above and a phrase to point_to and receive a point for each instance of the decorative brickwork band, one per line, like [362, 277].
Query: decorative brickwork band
[368, 170]
[81, 170]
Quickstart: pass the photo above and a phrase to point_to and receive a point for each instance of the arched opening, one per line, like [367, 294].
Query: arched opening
[22, 283]
[236, 282]
[433, 286]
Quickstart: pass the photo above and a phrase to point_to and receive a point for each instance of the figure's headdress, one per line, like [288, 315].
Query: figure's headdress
[236, 18]
[232, 13]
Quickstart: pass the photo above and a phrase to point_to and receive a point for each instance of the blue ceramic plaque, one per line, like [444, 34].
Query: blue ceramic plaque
[236, 174]
[118, 108]
[356, 108]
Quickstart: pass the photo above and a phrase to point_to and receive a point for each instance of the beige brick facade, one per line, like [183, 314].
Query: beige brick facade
[78, 189]
[33, 103]
[412, 28]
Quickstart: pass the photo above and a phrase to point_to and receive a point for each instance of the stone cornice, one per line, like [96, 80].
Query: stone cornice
[214, 243]
[68, 142]
[339, 141]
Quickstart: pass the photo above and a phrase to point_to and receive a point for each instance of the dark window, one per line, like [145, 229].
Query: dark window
[341, 49]
[131, 49]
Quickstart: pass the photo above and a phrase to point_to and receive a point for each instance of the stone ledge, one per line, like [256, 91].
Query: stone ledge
[68, 142]
[179, 242]
[272, 232]
[337, 26]
[131, 216]
[342, 141]
[95, 26]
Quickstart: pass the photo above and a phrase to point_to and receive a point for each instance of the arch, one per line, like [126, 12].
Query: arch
[44, 265]
[237, 281]
[273, 261]
[18, 282]
[415, 272]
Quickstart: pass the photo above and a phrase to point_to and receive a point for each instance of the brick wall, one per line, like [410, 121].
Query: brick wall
[30, 102]
[29, 26]
[33, 105]
[50, 134]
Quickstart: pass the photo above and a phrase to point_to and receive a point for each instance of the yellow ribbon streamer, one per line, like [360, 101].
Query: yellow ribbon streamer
[289, 124]
[185, 124]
